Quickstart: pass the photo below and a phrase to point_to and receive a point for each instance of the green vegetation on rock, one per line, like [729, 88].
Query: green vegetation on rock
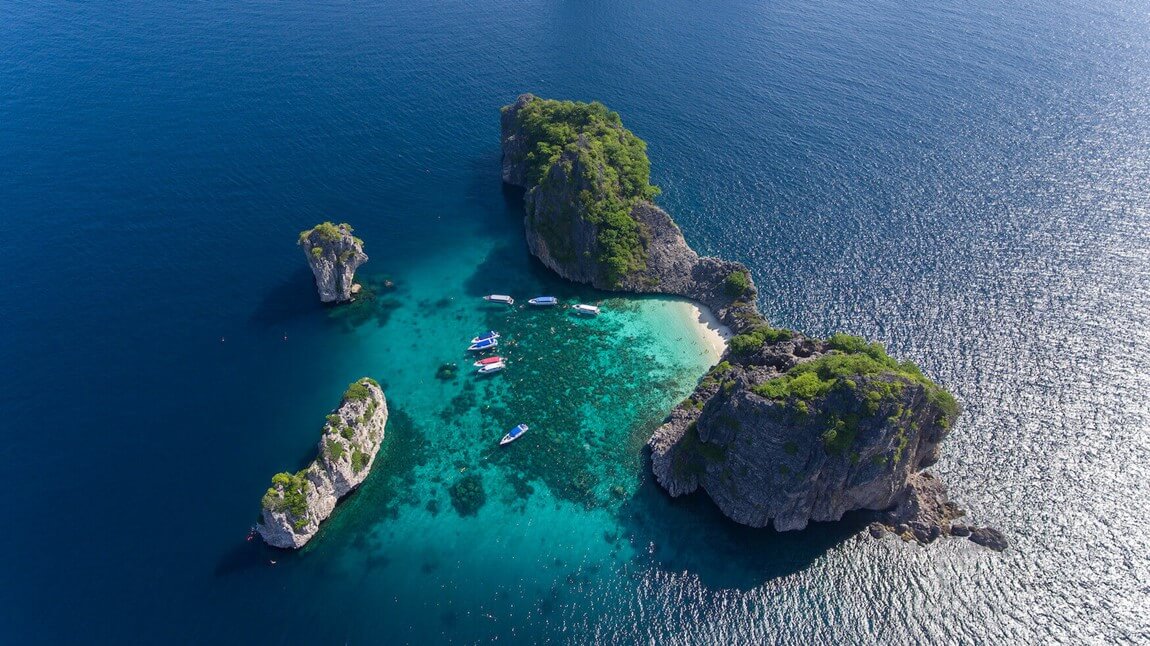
[335, 449]
[737, 283]
[288, 494]
[607, 158]
[357, 391]
[747, 342]
[359, 459]
[851, 361]
[328, 231]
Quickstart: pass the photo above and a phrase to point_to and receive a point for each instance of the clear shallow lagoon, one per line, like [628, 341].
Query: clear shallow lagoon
[965, 181]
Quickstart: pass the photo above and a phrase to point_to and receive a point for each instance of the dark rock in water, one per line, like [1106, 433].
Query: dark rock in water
[447, 371]
[877, 530]
[467, 495]
[989, 537]
[959, 530]
[333, 254]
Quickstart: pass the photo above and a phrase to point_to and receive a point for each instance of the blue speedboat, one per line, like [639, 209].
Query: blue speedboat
[486, 344]
[543, 301]
[513, 434]
[486, 336]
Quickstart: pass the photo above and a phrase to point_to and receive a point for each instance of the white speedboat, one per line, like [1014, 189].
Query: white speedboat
[499, 298]
[587, 310]
[543, 301]
[489, 368]
[513, 434]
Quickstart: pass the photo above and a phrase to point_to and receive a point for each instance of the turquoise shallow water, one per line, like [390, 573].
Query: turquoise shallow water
[964, 181]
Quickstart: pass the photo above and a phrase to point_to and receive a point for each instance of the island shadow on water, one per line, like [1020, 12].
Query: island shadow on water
[690, 534]
[292, 299]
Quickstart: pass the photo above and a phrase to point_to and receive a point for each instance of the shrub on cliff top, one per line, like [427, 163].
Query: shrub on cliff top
[327, 231]
[853, 357]
[359, 459]
[611, 160]
[737, 283]
[288, 494]
[357, 391]
[748, 342]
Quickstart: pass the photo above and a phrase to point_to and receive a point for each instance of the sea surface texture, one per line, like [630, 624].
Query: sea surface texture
[966, 181]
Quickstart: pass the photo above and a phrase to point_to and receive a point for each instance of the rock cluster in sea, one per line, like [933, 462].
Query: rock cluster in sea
[786, 429]
[296, 504]
[333, 254]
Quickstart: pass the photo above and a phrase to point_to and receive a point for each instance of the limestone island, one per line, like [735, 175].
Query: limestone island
[786, 429]
[333, 254]
[296, 504]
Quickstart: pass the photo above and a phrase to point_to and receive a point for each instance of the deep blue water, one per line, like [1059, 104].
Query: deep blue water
[966, 181]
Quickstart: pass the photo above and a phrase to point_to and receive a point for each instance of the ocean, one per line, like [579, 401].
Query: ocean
[967, 182]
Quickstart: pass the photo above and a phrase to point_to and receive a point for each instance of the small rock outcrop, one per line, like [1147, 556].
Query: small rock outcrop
[333, 254]
[590, 222]
[296, 504]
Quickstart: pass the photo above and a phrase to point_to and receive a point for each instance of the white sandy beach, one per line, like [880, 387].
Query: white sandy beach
[712, 334]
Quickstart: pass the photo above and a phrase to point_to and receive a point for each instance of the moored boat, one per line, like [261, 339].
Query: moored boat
[486, 344]
[499, 298]
[491, 334]
[588, 310]
[513, 434]
[487, 360]
[543, 301]
[491, 367]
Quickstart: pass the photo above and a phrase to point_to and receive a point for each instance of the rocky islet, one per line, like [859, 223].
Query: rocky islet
[296, 504]
[333, 254]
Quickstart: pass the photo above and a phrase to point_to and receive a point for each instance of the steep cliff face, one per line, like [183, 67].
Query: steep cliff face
[296, 504]
[333, 254]
[798, 430]
[566, 229]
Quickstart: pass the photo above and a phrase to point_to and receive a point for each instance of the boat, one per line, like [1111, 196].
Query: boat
[490, 368]
[486, 344]
[485, 336]
[486, 360]
[499, 298]
[589, 310]
[543, 301]
[513, 434]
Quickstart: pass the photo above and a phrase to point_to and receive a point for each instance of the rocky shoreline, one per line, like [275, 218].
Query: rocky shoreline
[786, 429]
[296, 504]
